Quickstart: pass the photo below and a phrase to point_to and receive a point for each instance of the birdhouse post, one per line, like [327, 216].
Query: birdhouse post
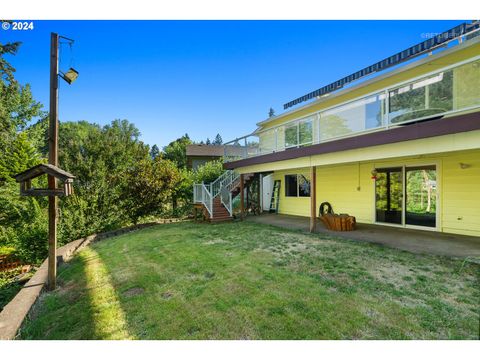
[51, 170]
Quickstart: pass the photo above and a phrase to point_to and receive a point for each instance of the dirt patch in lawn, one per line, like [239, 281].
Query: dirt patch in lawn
[133, 292]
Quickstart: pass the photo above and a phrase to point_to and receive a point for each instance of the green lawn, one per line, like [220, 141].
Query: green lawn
[251, 281]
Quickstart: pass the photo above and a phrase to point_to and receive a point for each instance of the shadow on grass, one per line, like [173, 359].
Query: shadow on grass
[84, 305]
[51, 317]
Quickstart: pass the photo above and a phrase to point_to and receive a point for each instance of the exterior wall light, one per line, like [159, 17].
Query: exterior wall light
[374, 174]
[464, 166]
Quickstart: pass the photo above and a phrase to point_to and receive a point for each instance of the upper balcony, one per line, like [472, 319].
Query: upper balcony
[448, 91]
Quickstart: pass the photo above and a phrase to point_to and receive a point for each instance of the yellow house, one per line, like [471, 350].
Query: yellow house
[399, 149]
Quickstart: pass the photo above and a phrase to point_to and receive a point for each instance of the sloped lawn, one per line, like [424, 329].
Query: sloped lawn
[251, 281]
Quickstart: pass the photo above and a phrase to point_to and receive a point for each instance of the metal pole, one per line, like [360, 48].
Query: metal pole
[53, 159]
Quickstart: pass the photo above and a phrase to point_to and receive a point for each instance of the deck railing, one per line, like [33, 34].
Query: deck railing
[205, 193]
[202, 195]
[443, 92]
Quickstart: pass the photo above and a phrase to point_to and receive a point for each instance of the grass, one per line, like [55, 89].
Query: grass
[252, 281]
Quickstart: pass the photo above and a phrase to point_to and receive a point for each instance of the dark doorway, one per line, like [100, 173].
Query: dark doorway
[389, 195]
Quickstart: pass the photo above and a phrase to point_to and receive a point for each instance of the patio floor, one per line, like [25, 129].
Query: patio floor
[416, 241]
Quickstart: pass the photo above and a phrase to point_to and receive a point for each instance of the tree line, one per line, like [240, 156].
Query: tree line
[119, 179]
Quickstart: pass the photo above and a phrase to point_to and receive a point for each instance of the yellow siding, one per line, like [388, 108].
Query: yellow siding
[292, 205]
[350, 189]
[409, 73]
[461, 193]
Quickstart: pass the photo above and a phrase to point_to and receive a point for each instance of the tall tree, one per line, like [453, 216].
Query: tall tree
[208, 142]
[154, 152]
[218, 140]
[22, 219]
[17, 106]
[176, 151]
[151, 185]
[271, 112]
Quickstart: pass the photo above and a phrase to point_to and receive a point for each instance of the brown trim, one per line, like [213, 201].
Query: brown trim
[421, 130]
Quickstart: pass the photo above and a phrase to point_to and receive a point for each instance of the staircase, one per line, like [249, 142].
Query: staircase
[247, 178]
[220, 212]
[217, 197]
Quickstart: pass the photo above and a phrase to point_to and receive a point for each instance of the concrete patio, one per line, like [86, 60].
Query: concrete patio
[416, 241]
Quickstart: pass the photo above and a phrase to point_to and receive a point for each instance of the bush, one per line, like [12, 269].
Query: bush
[208, 172]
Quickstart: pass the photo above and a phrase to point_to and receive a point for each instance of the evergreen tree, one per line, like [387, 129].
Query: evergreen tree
[208, 142]
[154, 152]
[218, 140]
[271, 112]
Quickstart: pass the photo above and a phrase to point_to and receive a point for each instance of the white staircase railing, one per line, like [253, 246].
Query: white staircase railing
[226, 198]
[222, 186]
[202, 195]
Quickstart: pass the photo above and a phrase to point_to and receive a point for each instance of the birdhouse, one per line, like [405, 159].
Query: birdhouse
[25, 179]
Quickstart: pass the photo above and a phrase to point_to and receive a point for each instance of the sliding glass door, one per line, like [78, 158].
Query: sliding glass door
[421, 196]
[389, 195]
[406, 196]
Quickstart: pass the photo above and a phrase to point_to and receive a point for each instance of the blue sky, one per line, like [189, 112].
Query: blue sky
[201, 77]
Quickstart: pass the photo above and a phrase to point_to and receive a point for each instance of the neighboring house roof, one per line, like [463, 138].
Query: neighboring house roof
[205, 150]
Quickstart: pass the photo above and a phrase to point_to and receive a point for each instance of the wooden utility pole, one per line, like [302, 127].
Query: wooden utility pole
[313, 198]
[53, 160]
[242, 198]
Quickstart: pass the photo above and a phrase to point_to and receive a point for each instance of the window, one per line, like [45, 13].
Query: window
[291, 135]
[196, 163]
[355, 116]
[291, 186]
[305, 132]
[425, 97]
[297, 185]
[303, 186]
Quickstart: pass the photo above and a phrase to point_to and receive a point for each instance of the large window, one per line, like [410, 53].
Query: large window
[425, 97]
[353, 117]
[297, 185]
[299, 134]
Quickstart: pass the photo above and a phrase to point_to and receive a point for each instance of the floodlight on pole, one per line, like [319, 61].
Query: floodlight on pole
[70, 76]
